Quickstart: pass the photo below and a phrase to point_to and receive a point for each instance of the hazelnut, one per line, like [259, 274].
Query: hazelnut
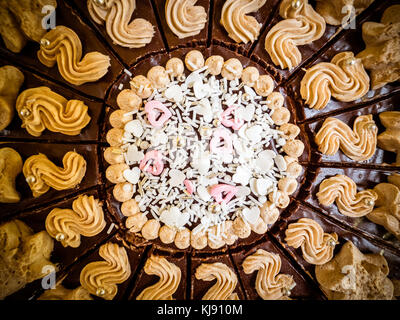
[264, 85]
[118, 119]
[128, 100]
[250, 76]
[115, 173]
[194, 60]
[215, 64]
[232, 69]
[175, 67]
[158, 77]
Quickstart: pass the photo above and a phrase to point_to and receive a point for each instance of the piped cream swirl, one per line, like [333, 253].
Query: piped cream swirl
[226, 283]
[62, 45]
[240, 26]
[270, 285]
[170, 278]
[101, 277]
[184, 18]
[41, 173]
[117, 15]
[342, 190]
[316, 245]
[344, 78]
[86, 218]
[41, 108]
[302, 25]
[358, 144]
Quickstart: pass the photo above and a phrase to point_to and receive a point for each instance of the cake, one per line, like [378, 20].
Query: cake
[187, 150]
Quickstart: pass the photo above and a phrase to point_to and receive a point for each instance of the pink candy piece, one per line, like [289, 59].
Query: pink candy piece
[216, 141]
[153, 110]
[227, 121]
[156, 168]
[219, 190]
[189, 186]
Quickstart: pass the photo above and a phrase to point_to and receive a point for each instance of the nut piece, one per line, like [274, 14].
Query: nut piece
[10, 167]
[182, 238]
[114, 155]
[232, 69]
[260, 227]
[115, 173]
[269, 213]
[294, 148]
[240, 228]
[264, 85]
[175, 67]
[128, 100]
[118, 119]
[250, 76]
[194, 60]
[150, 229]
[158, 77]
[11, 80]
[287, 185]
[215, 64]
[198, 240]
[141, 86]
[280, 116]
[294, 169]
[275, 100]
[136, 222]
[291, 131]
[167, 234]
[123, 191]
[130, 208]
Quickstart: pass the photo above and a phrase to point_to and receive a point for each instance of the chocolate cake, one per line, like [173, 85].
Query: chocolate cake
[209, 149]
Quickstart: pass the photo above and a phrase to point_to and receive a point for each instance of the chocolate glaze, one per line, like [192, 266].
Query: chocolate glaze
[172, 40]
[365, 179]
[144, 280]
[303, 289]
[72, 279]
[199, 287]
[55, 153]
[345, 234]
[307, 51]
[220, 35]
[378, 159]
[89, 133]
[68, 17]
[144, 9]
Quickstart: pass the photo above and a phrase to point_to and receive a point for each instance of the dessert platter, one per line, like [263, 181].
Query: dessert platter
[199, 149]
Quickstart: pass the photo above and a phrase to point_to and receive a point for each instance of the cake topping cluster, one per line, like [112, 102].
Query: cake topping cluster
[203, 149]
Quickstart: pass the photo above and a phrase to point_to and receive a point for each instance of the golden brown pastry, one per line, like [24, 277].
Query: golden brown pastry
[338, 12]
[387, 206]
[226, 283]
[358, 144]
[316, 245]
[344, 78]
[270, 283]
[117, 16]
[184, 18]
[10, 168]
[21, 20]
[170, 278]
[100, 278]
[11, 80]
[352, 275]
[343, 190]
[63, 47]
[86, 218]
[237, 20]
[41, 174]
[41, 108]
[382, 40]
[23, 256]
[389, 140]
[61, 293]
[302, 25]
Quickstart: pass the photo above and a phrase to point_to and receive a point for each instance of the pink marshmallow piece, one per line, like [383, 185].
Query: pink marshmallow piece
[157, 167]
[218, 190]
[189, 186]
[153, 109]
[227, 121]
[225, 135]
